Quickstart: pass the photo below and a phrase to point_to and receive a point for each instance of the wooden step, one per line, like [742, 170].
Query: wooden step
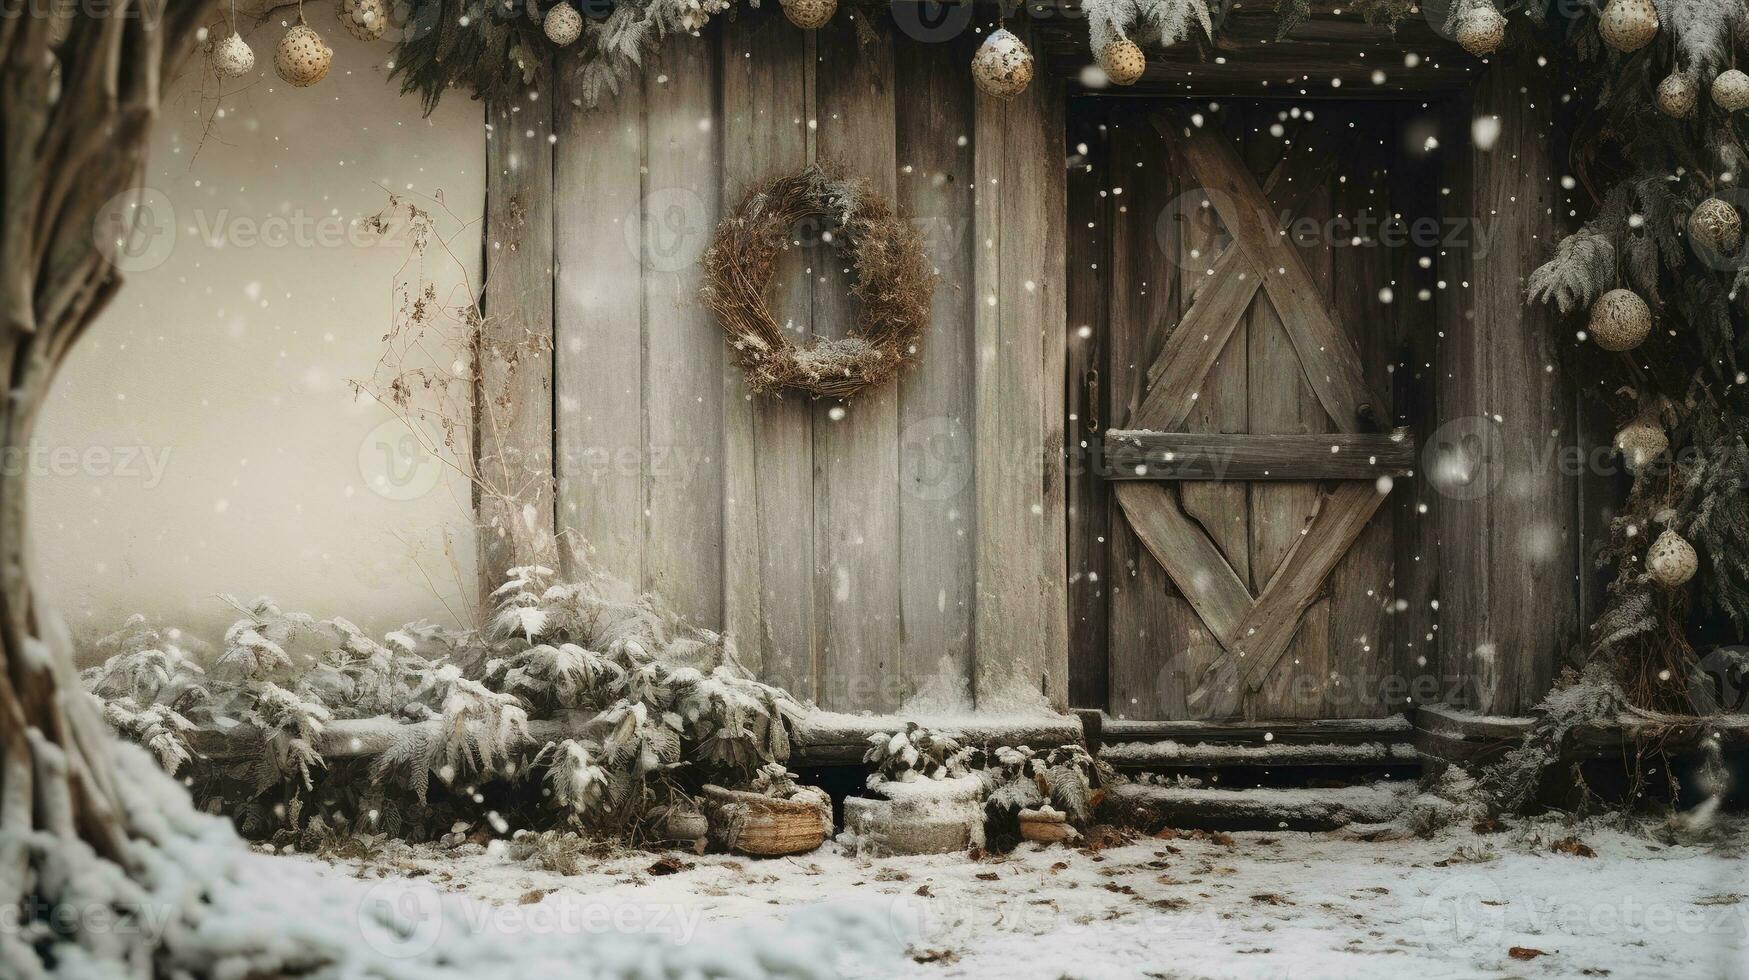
[1164, 746]
[1151, 806]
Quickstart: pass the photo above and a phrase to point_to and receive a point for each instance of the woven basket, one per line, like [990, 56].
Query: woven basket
[765, 826]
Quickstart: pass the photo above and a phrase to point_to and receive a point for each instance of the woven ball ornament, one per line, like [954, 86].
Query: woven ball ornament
[1003, 66]
[364, 19]
[1717, 225]
[302, 57]
[1628, 25]
[563, 25]
[1620, 320]
[1123, 61]
[1481, 30]
[1677, 94]
[233, 58]
[1640, 442]
[1731, 90]
[1671, 560]
[809, 15]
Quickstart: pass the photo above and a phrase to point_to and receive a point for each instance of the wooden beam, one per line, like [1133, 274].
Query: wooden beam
[1018, 282]
[1509, 539]
[513, 411]
[1136, 454]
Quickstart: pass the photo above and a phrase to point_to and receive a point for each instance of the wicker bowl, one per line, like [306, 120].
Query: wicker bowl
[765, 826]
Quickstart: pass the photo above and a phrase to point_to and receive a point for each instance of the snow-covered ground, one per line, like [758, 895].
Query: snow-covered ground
[1194, 905]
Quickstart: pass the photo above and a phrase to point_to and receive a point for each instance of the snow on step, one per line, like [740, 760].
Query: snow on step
[1172, 752]
[1266, 807]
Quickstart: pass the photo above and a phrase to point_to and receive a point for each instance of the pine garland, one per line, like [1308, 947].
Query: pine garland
[1647, 171]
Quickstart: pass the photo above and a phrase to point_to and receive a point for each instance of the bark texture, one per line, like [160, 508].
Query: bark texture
[79, 93]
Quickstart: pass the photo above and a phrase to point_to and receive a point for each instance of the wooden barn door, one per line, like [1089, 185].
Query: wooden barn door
[1251, 449]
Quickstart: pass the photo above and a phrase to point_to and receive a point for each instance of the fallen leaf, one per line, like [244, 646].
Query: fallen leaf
[530, 898]
[667, 865]
[1573, 846]
[924, 891]
[1525, 952]
[1270, 898]
[934, 955]
[1059, 866]
[988, 876]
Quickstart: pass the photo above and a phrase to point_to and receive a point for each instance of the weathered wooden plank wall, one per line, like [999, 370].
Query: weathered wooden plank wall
[859, 552]
[1143, 251]
[1510, 538]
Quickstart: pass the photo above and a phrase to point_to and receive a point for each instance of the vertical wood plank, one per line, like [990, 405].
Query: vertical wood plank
[856, 457]
[683, 347]
[1529, 518]
[1462, 364]
[1043, 172]
[1151, 623]
[937, 507]
[1021, 616]
[768, 503]
[1416, 585]
[1361, 639]
[599, 303]
[1222, 405]
[514, 417]
[1088, 241]
[1287, 404]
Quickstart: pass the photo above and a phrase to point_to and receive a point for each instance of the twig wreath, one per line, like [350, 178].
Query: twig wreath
[893, 282]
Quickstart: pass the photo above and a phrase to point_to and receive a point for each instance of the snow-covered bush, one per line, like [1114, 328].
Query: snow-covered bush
[582, 705]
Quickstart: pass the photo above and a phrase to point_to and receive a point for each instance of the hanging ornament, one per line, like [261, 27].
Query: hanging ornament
[364, 19]
[1671, 560]
[1003, 65]
[1731, 90]
[1628, 25]
[302, 58]
[1481, 29]
[1677, 94]
[563, 24]
[1716, 225]
[233, 58]
[809, 15]
[1620, 320]
[1123, 61]
[1640, 442]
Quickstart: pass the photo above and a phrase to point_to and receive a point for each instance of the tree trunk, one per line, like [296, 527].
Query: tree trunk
[78, 96]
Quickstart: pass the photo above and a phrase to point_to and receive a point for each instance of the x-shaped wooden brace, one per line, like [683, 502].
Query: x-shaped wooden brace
[1256, 631]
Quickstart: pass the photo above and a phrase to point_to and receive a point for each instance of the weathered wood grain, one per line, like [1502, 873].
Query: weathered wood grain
[937, 503]
[1262, 636]
[1150, 621]
[1284, 398]
[768, 493]
[1021, 615]
[1361, 638]
[1512, 544]
[856, 455]
[1332, 366]
[1087, 264]
[1197, 567]
[1139, 454]
[513, 418]
[683, 346]
[598, 306]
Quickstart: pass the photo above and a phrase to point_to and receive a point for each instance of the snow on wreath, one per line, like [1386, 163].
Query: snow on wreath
[893, 284]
